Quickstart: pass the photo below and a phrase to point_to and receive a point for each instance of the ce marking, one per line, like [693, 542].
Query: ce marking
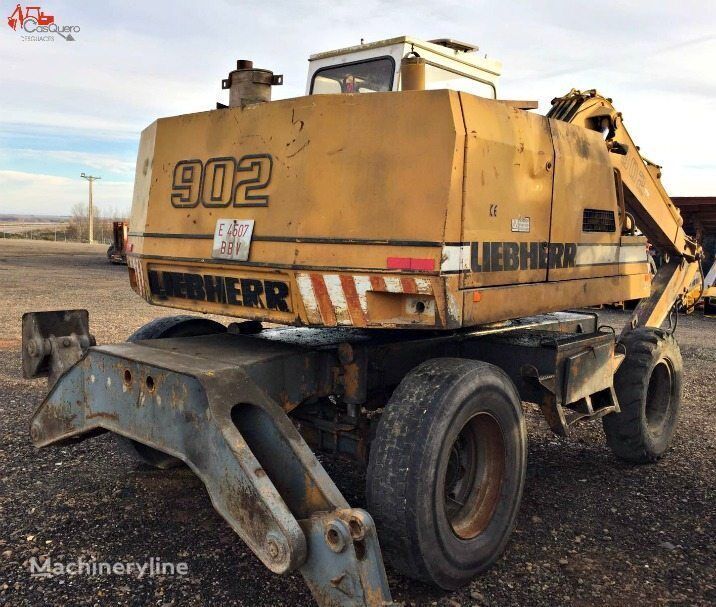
[493, 210]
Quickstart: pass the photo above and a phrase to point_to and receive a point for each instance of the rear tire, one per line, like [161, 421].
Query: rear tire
[446, 470]
[159, 328]
[183, 325]
[648, 387]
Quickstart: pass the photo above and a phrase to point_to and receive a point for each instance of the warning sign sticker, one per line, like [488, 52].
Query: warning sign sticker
[521, 224]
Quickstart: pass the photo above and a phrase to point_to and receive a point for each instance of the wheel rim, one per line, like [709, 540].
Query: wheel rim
[474, 475]
[658, 396]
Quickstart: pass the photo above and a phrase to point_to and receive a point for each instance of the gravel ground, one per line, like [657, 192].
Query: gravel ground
[592, 531]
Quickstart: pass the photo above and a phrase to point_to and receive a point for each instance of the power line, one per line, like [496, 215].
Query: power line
[91, 179]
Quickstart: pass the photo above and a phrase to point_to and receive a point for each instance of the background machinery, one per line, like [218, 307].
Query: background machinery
[416, 245]
[699, 214]
[117, 251]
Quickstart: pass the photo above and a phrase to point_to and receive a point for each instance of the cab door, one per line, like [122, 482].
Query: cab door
[507, 194]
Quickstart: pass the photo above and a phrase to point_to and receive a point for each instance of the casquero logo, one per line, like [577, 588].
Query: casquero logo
[37, 26]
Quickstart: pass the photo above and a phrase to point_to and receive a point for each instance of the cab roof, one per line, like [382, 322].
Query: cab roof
[452, 49]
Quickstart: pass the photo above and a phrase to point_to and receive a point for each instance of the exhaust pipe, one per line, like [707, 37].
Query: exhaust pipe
[412, 72]
[249, 86]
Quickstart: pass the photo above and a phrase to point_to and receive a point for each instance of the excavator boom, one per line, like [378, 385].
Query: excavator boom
[644, 198]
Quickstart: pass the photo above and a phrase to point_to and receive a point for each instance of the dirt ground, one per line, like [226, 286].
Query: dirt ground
[591, 531]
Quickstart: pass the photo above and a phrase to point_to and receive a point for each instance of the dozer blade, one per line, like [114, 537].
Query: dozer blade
[260, 474]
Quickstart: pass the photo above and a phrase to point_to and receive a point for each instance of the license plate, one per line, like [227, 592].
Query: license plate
[232, 239]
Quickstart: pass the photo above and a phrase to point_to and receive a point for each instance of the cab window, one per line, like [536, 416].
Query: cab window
[441, 78]
[371, 76]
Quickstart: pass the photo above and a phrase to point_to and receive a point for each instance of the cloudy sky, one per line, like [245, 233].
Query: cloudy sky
[69, 107]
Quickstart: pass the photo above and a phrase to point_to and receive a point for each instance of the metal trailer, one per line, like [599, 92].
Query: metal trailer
[117, 251]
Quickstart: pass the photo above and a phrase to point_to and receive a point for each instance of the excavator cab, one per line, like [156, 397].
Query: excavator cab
[375, 67]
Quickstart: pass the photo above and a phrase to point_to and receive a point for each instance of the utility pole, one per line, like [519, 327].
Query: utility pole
[91, 179]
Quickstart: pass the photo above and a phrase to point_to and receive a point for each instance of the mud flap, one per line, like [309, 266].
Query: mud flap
[260, 474]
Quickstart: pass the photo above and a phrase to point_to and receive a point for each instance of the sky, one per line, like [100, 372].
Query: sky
[73, 107]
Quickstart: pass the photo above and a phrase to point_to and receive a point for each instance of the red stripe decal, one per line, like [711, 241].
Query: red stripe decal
[377, 283]
[409, 285]
[422, 264]
[324, 300]
[410, 263]
[354, 309]
[399, 263]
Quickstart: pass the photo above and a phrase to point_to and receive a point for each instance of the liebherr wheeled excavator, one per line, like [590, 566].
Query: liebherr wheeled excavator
[418, 247]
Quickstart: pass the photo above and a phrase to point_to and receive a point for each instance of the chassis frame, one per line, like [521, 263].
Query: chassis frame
[245, 410]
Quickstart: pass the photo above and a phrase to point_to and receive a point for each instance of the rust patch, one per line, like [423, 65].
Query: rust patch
[103, 415]
[440, 300]
[285, 401]
[351, 379]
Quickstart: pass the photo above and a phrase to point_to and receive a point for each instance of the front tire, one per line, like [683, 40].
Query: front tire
[648, 387]
[159, 328]
[446, 470]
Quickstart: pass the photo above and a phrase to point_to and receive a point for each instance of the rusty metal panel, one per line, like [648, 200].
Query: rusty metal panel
[570, 375]
[53, 341]
[260, 474]
[220, 402]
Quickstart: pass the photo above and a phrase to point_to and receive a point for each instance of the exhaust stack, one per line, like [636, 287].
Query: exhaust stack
[412, 72]
[249, 86]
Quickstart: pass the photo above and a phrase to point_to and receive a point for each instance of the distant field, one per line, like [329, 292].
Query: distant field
[17, 227]
[42, 227]
[54, 229]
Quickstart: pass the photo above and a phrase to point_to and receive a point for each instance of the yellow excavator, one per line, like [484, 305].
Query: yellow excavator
[702, 293]
[419, 246]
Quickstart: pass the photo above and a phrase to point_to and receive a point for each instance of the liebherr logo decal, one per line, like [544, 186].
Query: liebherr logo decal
[510, 256]
[507, 256]
[246, 292]
[524, 256]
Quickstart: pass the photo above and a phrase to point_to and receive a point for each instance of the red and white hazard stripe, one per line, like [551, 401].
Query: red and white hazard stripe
[340, 299]
[135, 264]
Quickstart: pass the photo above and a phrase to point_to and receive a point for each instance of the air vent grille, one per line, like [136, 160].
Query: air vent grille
[598, 220]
